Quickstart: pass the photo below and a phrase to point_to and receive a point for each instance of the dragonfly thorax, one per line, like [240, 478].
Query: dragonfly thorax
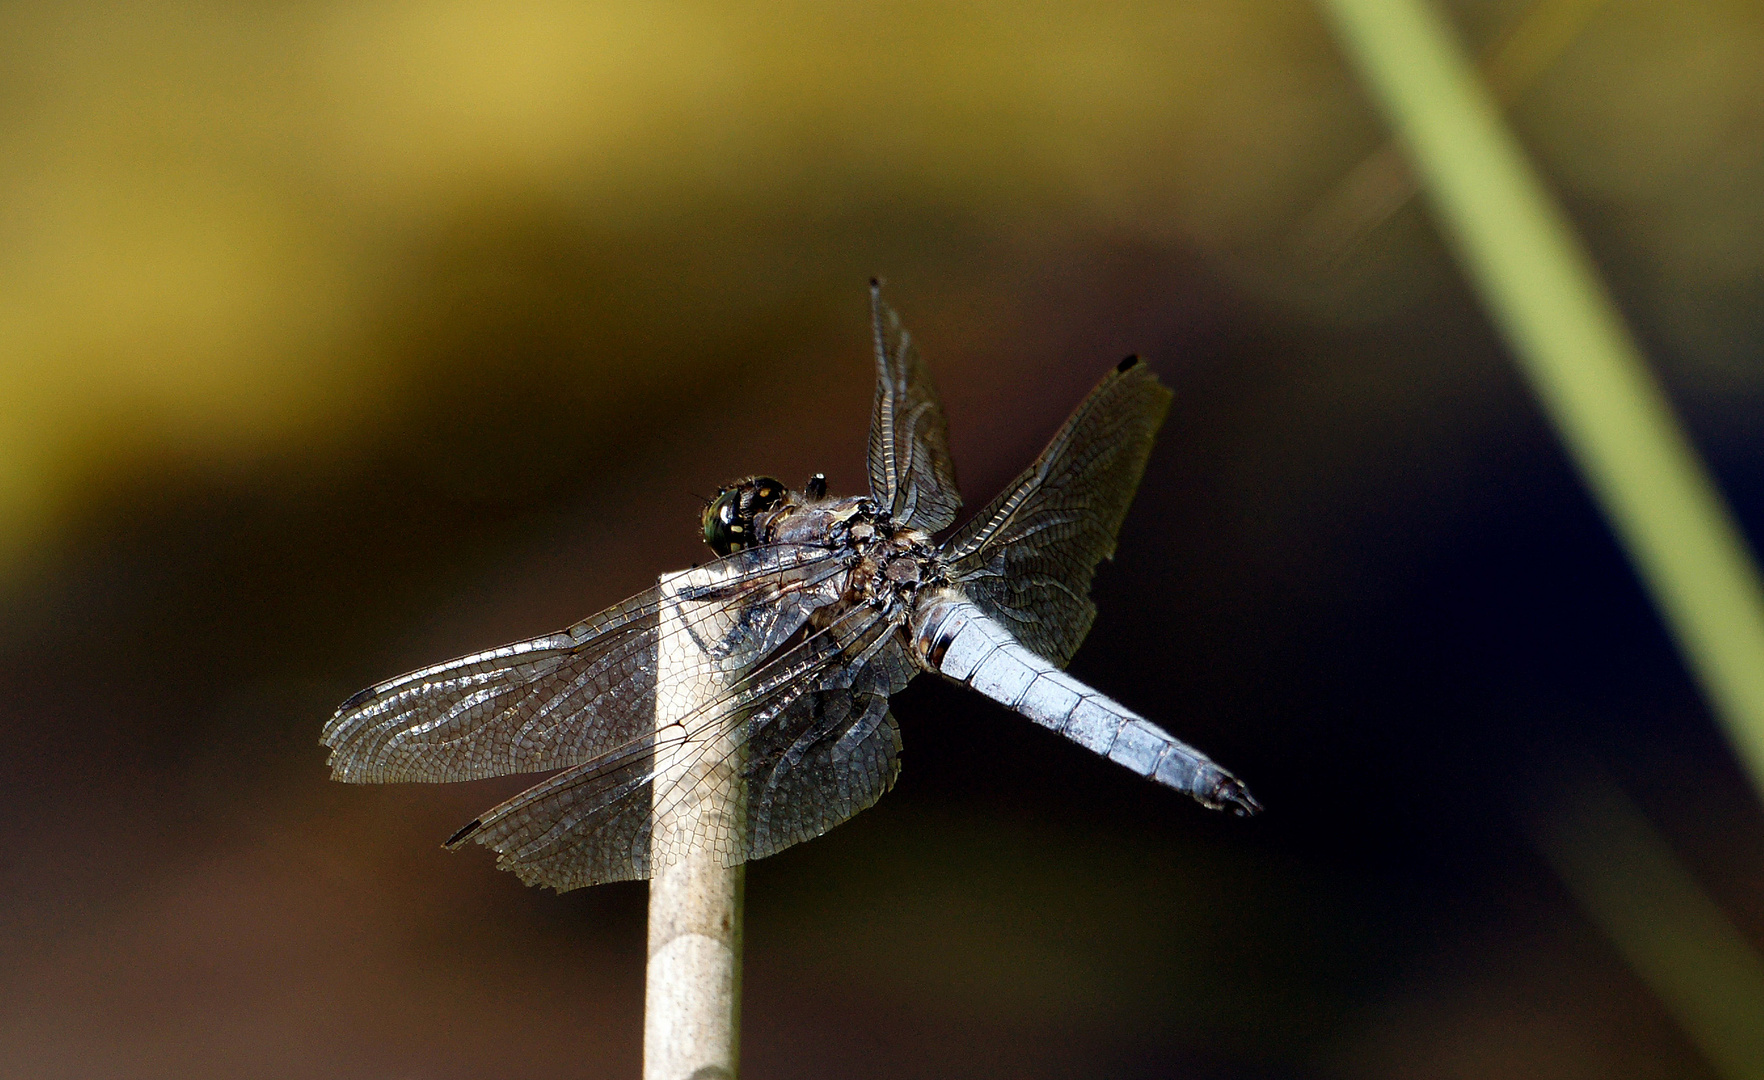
[889, 562]
[889, 569]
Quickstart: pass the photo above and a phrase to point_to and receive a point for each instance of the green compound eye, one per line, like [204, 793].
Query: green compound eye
[723, 530]
[728, 520]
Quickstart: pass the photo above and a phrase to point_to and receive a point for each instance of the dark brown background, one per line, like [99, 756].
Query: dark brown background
[342, 338]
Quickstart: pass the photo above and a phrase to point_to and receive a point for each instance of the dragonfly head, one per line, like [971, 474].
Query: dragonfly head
[728, 520]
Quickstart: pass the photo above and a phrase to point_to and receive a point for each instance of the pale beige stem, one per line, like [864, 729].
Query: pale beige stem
[692, 1008]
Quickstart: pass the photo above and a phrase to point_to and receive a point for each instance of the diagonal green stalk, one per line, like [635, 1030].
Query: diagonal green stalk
[1699, 965]
[1545, 295]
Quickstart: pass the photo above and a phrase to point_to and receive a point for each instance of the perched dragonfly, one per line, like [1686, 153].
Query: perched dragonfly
[819, 609]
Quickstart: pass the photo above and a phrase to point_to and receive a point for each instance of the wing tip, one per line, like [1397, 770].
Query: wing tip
[355, 699]
[1128, 364]
[463, 835]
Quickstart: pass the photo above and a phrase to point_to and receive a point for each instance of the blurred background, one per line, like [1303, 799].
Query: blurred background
[341, 338]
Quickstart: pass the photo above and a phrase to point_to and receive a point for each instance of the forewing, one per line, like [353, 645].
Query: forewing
[1027, 559]
[593, 823]
[911, 474]
[564, 698]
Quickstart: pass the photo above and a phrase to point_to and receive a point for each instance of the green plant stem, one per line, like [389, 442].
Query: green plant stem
[1697, 963]
[1545, 295]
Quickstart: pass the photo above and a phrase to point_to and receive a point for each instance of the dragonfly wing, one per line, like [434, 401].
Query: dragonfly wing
[595, 822]
[911, 474]
[565, 698]
[1027, 559]
[833, 753]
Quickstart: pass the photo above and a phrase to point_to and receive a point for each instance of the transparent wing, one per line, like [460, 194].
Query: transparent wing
[834, 753]
[911, 474]
[565, 698]
[1027, 559]
[815, 745]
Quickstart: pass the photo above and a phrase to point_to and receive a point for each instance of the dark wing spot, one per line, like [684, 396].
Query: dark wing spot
[356, 699]
[1128, 364]
[464, 834]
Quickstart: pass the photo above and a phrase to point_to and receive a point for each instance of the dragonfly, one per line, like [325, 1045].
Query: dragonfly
[815, 611]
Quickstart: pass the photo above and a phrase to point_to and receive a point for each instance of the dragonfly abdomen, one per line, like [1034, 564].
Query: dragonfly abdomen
[955, 638]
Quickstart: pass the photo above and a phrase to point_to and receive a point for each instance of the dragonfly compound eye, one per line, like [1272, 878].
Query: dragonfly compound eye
[728, 520]
[723, 529]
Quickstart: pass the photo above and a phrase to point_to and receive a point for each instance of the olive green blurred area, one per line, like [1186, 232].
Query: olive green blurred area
[337, 339]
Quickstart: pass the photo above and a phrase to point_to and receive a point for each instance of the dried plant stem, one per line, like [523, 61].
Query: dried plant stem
[692, 1007]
